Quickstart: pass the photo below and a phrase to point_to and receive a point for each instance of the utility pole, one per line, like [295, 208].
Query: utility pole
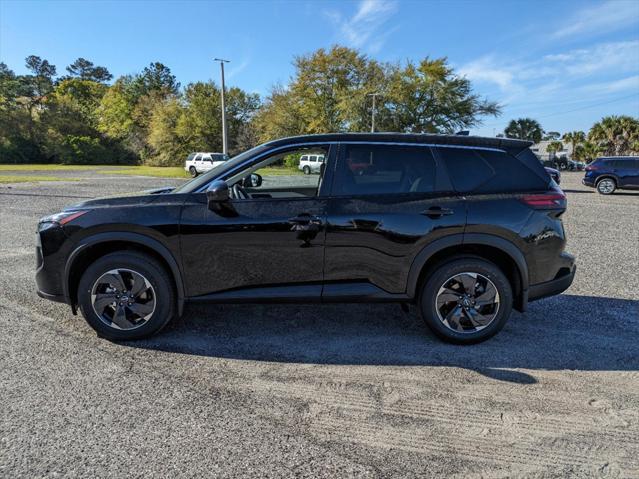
[224, 135]
[374, 95]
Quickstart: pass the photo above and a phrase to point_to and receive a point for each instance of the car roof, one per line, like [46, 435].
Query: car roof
[456, 140]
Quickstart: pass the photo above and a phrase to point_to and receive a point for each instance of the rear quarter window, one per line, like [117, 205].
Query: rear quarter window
[491, 171]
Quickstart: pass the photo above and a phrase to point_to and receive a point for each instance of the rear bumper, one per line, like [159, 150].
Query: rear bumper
[588, 182]
[553, 287]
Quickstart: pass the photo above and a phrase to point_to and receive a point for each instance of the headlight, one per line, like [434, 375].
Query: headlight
[60, 218]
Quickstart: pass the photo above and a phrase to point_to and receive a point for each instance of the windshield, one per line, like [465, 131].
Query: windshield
[201, 180]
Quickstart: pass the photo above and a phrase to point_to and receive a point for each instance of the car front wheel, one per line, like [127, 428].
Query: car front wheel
[466, 301]
[126, 295]
[606, 186]
[193, 171]
[307, 170]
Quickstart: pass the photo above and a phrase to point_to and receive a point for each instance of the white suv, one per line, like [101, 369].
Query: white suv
[201, 162]
[311, 163]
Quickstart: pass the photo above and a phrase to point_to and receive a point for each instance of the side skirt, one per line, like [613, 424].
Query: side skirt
[351, 292]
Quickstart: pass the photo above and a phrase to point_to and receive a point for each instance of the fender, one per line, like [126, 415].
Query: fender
[469, 239]
[138, 238]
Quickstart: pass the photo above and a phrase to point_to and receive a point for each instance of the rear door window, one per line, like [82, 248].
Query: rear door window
[491, 171]
[386, 169]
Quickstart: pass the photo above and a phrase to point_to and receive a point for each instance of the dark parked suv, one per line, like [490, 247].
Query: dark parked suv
[466, 228]
[613, 173]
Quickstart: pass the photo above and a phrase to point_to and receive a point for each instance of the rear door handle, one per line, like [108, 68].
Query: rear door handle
[437, 212]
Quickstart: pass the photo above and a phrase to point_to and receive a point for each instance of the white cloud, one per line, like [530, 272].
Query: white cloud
[237, 69]
[603, 18]
[487, 69]
[519, 80]
[625, 84]
[622, 56]
[364, 28]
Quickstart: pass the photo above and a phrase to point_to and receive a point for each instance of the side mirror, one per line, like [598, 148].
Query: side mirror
[252, 181]
[217, 192]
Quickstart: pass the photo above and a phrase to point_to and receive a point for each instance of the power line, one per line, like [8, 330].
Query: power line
[574, 109]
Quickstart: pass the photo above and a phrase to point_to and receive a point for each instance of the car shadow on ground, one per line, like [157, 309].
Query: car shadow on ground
[564, 332]
[616, 193]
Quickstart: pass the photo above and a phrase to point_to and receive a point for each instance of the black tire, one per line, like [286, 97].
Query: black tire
[441, 276]
[307, 170]
[193, 171]
[162, 293]
[606, 186]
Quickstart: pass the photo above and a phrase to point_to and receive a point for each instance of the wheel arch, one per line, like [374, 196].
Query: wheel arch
[492, 248]
[608, 176]
[96, 246]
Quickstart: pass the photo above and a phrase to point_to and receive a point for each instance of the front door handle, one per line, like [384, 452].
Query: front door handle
[435, 212]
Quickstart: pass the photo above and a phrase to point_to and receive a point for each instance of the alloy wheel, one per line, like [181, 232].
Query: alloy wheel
[467, 302]
[123, 299]
[606, 186]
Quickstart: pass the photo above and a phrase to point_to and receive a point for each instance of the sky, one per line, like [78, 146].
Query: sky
[565, 63]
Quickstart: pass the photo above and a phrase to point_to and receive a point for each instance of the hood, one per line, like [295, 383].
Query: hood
[126, 199]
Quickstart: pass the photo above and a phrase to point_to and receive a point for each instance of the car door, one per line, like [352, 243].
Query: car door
[197, 162]
[382, 214]
[268, 245]
[627, 172]
[633, 173]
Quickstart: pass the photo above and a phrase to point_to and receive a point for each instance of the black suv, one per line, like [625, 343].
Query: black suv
[466, 228]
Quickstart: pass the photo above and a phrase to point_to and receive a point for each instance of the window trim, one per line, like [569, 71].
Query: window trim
[331, 145]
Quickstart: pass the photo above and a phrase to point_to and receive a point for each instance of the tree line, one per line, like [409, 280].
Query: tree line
[83, 116]
[611, 136]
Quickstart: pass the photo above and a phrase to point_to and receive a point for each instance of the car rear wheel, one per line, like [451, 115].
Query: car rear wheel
[193, 171]
[606, 186]
[306, 170]
[126, 295]
[466, 301]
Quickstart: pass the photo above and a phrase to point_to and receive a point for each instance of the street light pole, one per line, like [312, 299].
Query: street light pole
[374, 95]
[224, 133]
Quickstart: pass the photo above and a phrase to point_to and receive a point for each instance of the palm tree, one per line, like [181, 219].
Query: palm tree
[554, 146]
[524, 129]
[615, 135]
[574, 138]
[586, 151]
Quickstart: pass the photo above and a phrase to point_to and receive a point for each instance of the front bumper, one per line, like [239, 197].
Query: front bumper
[59, 298]
[556, 286]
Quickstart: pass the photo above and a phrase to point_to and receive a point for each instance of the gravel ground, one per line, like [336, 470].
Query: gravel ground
[324, 391]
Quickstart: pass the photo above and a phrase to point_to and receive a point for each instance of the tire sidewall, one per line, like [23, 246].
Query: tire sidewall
[427, 299]
[193, 171]
[152, 271]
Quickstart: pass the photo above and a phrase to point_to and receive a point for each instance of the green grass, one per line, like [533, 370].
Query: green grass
[278, 171]
[32, 178]
[178, 171]
[158, 171]
[48, 167]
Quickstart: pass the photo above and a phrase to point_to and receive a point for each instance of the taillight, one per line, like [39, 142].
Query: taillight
[591, 168]
[549, 200]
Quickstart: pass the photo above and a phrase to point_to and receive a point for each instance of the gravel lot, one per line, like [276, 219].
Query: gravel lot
[324, 391]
